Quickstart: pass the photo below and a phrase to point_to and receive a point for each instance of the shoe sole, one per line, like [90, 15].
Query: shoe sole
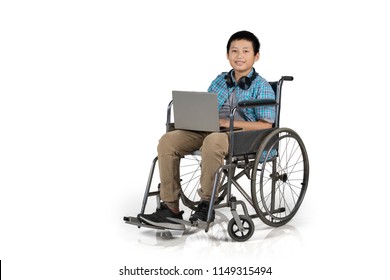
[198, 223]
[165, 225]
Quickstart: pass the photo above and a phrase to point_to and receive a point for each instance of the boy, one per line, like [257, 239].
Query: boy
[241, 83]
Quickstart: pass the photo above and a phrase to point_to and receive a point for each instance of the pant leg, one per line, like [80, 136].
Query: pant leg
[214, 149]
[173, 146]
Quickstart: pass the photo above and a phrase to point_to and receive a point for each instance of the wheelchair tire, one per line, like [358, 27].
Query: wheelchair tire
[236, 234]
[279, 177]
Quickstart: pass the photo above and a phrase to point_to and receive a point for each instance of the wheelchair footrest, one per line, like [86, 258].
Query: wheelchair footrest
[134, 221]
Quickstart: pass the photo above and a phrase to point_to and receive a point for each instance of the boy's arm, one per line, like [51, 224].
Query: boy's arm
[246, 125]
[263, 114]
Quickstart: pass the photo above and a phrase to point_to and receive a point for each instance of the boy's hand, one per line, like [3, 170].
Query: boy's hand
[224, 122]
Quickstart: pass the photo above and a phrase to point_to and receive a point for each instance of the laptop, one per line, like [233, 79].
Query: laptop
[196, 111]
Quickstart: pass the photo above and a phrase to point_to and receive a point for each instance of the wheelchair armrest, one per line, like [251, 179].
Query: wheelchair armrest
[256, 103]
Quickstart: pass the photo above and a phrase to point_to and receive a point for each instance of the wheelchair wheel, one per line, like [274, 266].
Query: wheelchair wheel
[190, 181]
[236, 234]
[279, 177]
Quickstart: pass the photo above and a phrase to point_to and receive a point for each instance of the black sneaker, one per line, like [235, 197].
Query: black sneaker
[159, 218]
[201, 212]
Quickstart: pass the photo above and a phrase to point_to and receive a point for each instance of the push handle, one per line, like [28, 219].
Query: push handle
[287, 78]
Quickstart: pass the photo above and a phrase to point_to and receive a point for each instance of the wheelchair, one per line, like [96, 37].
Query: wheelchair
[274, 160]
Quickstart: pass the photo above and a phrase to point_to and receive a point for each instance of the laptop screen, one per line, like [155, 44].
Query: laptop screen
[195, 110]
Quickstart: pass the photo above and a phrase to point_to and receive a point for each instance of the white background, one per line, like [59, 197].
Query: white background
[84, 87]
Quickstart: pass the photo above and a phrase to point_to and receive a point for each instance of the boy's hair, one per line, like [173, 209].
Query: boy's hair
[245, 35]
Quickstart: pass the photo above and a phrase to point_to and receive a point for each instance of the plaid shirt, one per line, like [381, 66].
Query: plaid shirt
[260, 89]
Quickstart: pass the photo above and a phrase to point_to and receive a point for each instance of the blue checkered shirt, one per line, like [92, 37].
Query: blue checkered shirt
[259, 89]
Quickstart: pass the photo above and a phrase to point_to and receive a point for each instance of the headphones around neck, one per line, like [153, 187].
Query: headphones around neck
[243, 83]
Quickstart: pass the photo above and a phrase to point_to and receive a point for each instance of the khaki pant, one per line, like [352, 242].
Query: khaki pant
[178, 143]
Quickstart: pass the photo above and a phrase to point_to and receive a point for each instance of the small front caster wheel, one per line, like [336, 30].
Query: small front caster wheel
[246, 233]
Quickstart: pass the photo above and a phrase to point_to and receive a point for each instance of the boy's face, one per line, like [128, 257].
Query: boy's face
[241, 56]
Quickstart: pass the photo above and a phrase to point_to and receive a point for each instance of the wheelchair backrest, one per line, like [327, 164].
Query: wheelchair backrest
[277, 90]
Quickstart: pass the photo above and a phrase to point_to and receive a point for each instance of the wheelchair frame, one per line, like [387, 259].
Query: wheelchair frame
[265, 148]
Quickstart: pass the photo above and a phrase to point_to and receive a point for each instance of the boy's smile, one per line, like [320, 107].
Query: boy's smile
[241, 57]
